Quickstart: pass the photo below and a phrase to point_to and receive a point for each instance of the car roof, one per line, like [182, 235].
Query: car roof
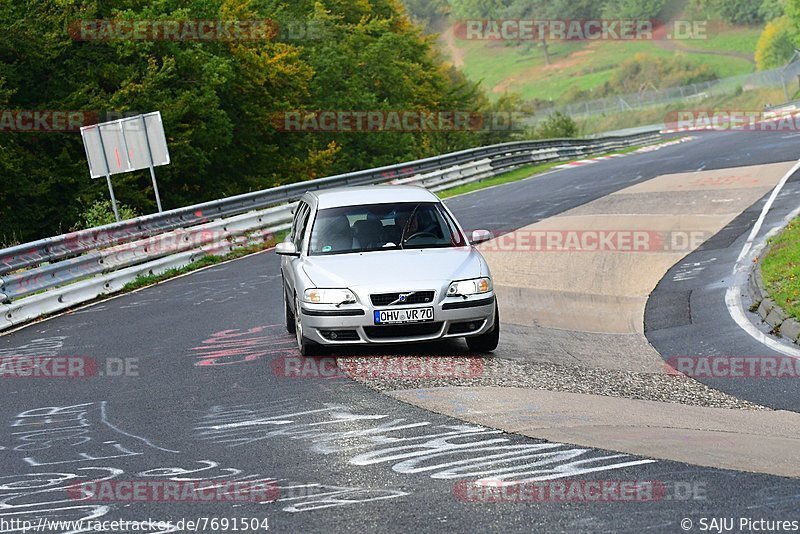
[371, 194]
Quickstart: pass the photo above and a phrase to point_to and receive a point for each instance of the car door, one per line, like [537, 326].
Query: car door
[290, 264]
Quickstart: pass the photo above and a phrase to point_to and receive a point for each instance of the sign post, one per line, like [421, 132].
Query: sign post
[152, 169]
[108, 180]
[126, 145]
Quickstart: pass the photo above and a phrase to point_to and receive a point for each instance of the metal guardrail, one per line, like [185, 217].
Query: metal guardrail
[55, 248]
[52, 275]
[791, 105]
[34, 272]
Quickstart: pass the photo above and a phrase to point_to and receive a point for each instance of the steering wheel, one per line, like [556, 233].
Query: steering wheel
[420, 234]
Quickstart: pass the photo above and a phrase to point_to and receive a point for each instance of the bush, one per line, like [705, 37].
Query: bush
[101, 212]
[557, 126]
[9, 240]
[643, 72]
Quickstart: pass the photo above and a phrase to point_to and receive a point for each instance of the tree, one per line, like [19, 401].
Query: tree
[426, 11]
[479, 9]
[734, 11]
[771, 10]
[633, 9]
[218, 99]
[776, 44]
[552, 10]
[741, 11]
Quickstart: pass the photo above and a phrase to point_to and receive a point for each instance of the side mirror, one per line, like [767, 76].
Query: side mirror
[481, 236]
[286, 248]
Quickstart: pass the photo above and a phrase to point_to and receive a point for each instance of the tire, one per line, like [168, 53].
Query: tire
[487, 342]
[287, 314]
[304, 346]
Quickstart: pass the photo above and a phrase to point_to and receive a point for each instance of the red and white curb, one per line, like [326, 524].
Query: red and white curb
[642, 150]
[589, 161]
[655, 148]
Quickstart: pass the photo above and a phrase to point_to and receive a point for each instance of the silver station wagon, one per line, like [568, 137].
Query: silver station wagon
[382, 265]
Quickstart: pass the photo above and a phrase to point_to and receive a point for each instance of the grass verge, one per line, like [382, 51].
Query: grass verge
[780, 269]
[149, 280]
[528, 171]
[754, 100]
[513, 176]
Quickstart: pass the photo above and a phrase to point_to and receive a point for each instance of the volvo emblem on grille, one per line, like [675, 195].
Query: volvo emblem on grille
[403, 297]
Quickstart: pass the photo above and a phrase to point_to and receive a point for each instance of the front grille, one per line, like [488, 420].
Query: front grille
[402, 330]
[418, 297]
[340, 335]
[465, 327]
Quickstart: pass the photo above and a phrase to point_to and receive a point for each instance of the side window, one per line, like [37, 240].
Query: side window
[301, 221]
[298, 210]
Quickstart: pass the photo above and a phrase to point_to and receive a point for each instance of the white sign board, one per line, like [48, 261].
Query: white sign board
[125, 145]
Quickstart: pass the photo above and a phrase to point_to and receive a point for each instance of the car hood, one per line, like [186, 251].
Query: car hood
[395, 269]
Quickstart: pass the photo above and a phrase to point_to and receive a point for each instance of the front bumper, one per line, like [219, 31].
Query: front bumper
[354, 324]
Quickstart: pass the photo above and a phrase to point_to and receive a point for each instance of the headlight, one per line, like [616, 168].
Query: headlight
[329, 296]
[470, 287]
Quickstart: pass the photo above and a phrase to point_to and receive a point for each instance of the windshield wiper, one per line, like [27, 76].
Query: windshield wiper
[405, 228]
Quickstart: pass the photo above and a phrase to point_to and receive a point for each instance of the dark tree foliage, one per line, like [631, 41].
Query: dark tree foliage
[741, 11]
[218, 99]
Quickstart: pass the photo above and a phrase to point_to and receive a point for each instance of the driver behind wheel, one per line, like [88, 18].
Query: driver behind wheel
[402, 221]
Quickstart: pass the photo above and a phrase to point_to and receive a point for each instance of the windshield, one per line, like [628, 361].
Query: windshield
[383, 227]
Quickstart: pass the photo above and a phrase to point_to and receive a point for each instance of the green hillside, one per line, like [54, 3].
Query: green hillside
[503, 68]
[568, 71]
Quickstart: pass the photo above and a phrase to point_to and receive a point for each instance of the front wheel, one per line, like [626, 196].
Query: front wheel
[287, 314]
[487, 342]
[304, 346]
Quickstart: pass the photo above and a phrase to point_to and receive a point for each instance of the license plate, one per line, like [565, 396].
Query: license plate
[407, 315]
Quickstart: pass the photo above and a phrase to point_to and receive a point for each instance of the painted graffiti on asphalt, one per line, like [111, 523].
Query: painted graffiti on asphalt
[229, 347]
[60, 447]
[453, 451]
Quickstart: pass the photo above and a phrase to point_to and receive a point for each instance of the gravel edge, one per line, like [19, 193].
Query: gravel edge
[388, 373]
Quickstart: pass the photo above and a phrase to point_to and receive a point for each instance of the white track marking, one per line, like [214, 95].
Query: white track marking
[768, 206]
[741, 272]
[104, 419]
